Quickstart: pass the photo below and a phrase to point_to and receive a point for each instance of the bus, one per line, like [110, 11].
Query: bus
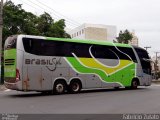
[59, 65]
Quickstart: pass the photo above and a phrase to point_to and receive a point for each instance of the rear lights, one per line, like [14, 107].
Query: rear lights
[17, 75]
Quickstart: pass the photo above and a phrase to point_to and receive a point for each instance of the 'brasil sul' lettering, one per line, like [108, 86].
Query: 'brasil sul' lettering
[47, 62]
[52, 61]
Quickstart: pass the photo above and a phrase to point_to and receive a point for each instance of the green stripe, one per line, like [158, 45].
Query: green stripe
[10, 70]
[99, 42]
[123, 76]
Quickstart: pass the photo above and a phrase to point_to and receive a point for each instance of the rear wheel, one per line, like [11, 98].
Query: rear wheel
[75, 87]
[59, 87]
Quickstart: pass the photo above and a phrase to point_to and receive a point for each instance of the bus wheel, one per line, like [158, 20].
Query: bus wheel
[116, 88]
[46, 92]
[75, 86]
[134, 84]
[59, 87]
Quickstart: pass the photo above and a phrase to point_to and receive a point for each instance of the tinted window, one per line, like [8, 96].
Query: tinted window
[105, 52]
[32, 46]
[111, 52]
[146, 66]
[44, 47]
[67, 49]
[80, 50]
[55, 48]
[129, 52]
[52, 48]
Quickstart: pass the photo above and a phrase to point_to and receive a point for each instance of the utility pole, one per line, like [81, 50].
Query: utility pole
[1, 28]
[156, 64]
[147, 47]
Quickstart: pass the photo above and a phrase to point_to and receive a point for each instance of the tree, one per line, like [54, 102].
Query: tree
[45, 22]
[58, 29]
[12, 16]
[18, 21]
[29, 24]
[124, 37]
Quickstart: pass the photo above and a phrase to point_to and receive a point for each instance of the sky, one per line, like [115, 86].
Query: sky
[141, 16]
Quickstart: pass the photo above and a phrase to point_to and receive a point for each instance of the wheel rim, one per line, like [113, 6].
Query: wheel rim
[134, 84]
[75, 87]
[59, 88]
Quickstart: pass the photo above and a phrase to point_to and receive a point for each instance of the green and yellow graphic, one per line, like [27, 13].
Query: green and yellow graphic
[122, 73]
[10, 63]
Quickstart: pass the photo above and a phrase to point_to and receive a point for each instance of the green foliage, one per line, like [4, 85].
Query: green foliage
[124, 37]
[157, 75]
[18, 21]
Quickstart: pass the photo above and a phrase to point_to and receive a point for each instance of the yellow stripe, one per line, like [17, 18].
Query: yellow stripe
[90, 62]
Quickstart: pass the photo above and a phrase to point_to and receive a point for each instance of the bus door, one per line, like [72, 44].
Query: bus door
[32, 73]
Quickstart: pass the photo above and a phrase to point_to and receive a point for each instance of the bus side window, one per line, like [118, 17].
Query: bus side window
[59, 49]
[52, 48]
[103, 52]
[27, 45]
[80, 50]
[36, 47]
[67, 49]
[129, 52]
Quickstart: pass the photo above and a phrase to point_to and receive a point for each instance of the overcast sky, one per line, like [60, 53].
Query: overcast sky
[142, 16]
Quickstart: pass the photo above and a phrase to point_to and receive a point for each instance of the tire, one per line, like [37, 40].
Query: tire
[134, 84]
[46, 92]
[127, 88]
[116, 88]
[59, 87]
[75, 87]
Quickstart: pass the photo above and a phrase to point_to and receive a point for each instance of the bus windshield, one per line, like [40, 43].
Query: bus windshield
[10, 43]
[143, 56]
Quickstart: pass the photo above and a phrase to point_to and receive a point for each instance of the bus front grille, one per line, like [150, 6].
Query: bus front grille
[9, 61]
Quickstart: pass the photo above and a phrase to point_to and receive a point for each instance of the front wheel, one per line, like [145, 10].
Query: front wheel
[116, 88]
[59, 87]
[134, 84]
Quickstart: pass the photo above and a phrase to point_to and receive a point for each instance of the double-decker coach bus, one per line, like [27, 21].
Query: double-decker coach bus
[36, 63]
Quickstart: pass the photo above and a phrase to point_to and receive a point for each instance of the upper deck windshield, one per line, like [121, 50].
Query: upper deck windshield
[10, 43]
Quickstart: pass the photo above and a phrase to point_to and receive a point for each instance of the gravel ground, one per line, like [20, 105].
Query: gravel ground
[2, 88]
[156, 81]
